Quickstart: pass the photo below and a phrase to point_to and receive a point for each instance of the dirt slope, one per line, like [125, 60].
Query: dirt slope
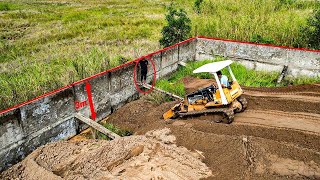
[153, 156]
[277, 137]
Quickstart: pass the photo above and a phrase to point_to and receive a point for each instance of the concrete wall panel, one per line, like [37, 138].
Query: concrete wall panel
[46, 111]
[100, 92]
[261, 57]
[303, 59]
[169, 57]
[10, 128]
[187, 51]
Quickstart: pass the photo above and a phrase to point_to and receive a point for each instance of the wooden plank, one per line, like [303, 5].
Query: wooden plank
[97, 126]
[181, 63]
[162, 91]
[283, 74]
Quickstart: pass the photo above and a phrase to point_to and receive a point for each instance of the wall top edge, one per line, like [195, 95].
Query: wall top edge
[142, 57]
[258, 44]
[94, 76]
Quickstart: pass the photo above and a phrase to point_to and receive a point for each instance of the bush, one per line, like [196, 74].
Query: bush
[311, 32]
[177, 29]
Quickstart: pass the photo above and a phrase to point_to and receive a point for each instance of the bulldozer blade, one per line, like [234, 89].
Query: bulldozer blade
[169, 114]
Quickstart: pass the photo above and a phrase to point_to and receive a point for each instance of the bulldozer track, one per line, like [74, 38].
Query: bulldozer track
[276, 127]
[227, 113]
[243, 102]
[291, 96]
[207, 111]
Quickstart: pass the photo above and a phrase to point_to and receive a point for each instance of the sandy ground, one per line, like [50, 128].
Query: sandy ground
[277, 137]
[151, 156]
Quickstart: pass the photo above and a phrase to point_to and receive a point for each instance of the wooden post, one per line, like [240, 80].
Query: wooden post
[181, 63]
[162, 91]
[97, 126]
[282, 75]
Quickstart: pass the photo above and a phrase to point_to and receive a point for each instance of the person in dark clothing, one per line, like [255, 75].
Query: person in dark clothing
[144, 70]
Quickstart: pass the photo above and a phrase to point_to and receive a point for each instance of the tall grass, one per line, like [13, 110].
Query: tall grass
[35, 78]
[277, 20]
[48, 44]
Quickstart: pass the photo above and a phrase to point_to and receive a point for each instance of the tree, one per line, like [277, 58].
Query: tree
[177, 29]
[312, 30]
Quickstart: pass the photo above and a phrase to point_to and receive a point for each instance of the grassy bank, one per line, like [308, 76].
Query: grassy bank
[244, 76]
[275, 21]
[48, 44]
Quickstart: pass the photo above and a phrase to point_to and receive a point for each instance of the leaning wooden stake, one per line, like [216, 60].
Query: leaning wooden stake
[181, 63]
[162, 91]
[97, 126]
[283, 74]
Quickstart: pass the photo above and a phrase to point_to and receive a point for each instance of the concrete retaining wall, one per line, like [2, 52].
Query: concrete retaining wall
[262, 57]
[50, 118]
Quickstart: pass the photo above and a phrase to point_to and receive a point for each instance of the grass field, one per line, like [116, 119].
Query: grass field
[48, 44]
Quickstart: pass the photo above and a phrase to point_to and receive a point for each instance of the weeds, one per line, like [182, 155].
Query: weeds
[172, 86]
[115, 129]
[157, 98]
[257, 38]
[4, 6]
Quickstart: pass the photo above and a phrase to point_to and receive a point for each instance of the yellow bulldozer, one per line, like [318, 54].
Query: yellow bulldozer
[212, 100]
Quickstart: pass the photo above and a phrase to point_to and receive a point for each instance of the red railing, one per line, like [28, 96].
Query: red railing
[136, 60]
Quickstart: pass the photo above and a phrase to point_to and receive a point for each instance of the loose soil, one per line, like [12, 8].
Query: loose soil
[151, 156]
[277, 137]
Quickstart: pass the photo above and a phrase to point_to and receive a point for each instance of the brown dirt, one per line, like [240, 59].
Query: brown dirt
[277, 137]
[152, 156]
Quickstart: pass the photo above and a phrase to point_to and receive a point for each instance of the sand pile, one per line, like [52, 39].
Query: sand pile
[151, 156]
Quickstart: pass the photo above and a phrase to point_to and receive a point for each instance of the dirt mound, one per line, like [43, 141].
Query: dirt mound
[153, 156]
[277, 137]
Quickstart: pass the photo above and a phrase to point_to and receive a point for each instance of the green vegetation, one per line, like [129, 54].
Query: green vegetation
[157, 98]
[277, 20]
[257, 38]
[177, 29]
[45, 45]
[114, 129]
[312, 31]
[174, 83]
[48, 44]
[244, 76]
[197, 6]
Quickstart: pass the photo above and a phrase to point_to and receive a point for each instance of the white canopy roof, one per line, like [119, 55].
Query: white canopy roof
[213, 67]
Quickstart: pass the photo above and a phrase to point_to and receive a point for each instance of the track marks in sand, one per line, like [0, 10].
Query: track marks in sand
[278, 119]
